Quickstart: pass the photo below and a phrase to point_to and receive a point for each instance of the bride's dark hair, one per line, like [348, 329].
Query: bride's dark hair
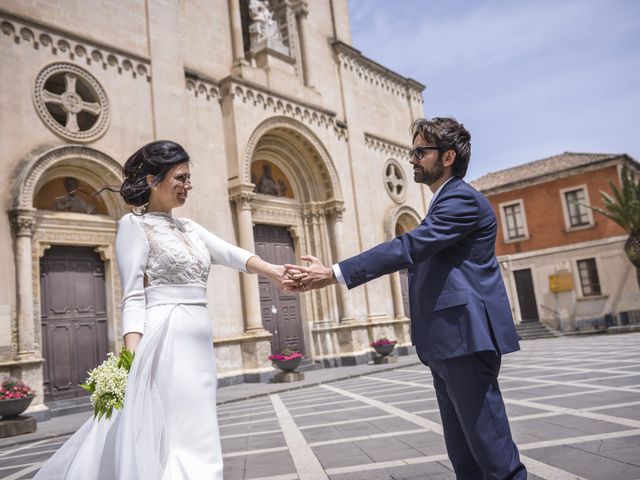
[155, 158]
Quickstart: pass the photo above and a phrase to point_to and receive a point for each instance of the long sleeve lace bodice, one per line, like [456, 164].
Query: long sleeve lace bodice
[156, 249]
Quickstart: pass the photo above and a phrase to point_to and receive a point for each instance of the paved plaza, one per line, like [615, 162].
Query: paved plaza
[573, 402]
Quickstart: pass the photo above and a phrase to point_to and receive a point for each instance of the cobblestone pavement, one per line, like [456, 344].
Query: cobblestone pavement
[573, 402]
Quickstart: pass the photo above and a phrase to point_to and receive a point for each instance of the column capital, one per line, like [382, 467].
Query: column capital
[336, 213]
[314, 212]
[299, 7]
[334, 210]
[242, 195]
[23, 222]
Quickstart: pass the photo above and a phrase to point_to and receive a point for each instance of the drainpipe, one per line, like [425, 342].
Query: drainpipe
[514, 298]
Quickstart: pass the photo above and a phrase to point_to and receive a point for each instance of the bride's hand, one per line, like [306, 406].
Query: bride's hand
[275, 273]
[280, 277]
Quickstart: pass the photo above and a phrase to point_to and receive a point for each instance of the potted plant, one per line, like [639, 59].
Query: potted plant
[287, 360]
[15, 397]
[383, 346]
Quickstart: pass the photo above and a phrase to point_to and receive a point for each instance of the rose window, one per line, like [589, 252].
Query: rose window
[394, 180]
[71, 102]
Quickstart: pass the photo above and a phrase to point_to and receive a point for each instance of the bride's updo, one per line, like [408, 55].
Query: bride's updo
[155, 158]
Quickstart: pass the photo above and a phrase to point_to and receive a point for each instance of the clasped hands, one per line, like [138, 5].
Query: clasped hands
[301, 279]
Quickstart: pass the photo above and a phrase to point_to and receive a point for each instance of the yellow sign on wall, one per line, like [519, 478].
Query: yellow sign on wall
[561, 282]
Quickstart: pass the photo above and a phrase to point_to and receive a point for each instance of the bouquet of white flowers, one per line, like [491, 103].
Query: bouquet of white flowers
[107, 383]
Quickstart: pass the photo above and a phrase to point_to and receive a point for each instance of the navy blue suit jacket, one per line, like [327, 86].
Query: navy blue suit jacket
[457, 297]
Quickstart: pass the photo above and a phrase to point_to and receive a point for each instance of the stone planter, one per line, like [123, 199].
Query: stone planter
[384, 350]
[288, 365]
[14, 407]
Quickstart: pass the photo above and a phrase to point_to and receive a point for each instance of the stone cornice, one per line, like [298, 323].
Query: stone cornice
[387, 147]
[58, 41]
[376, 74]
[201, 86]
[246, 92]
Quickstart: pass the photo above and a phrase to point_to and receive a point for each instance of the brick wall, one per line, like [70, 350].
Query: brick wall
[543, 208]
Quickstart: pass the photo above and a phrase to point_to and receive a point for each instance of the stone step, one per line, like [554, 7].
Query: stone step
[57, 408]
[306, 365]
[58, 412]
[529, 328]
[68, 406]
[530, 325]
[534, 330]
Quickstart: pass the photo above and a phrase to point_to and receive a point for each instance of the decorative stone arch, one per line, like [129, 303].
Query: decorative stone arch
[94, 167]
[303, 139]
[405, 217]
[35, 231]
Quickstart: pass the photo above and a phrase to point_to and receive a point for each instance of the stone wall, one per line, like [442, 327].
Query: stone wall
[335, 121]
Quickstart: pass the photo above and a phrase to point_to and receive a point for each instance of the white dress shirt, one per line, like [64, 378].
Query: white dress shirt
[336, 267]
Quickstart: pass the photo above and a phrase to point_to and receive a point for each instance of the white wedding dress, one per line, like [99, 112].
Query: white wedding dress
[167, 429]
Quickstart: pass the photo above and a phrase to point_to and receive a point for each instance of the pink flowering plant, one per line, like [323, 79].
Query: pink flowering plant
[13, 388]
[382, 342]
[286, 354]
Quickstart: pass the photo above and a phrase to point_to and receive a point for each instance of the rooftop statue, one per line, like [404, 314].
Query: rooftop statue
[264, 30]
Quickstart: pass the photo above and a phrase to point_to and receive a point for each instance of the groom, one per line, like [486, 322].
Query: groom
[461, 321]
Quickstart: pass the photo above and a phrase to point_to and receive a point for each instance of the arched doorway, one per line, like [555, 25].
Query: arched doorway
[400, 220]
[404, 224]
[296, 206]
[67, 284]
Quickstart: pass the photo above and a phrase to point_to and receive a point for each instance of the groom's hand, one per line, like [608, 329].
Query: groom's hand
[316, 275]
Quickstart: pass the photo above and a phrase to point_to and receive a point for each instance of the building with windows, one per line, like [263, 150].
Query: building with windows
[563, 264]
[299, 146]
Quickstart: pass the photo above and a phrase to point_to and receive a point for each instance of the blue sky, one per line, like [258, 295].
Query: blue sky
[529, 79]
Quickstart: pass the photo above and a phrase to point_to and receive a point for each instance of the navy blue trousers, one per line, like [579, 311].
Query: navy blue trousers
[476, 428]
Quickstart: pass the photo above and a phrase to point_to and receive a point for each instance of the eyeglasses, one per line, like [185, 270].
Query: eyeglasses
[419, 152]
[184, 179]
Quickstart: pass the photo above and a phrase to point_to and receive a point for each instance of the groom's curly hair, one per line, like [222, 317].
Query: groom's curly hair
[448, 134]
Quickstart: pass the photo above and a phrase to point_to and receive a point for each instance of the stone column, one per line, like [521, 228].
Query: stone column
[23, 223]
[302, 10]
[343, 294]
[236, 32]
[396, 292]
[242, 196]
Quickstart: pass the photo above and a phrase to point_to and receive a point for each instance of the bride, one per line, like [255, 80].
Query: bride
[167, 429]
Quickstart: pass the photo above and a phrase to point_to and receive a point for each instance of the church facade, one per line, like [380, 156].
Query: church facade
[299, 145]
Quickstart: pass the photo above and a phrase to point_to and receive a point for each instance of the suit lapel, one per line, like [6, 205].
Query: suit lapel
[450, 184]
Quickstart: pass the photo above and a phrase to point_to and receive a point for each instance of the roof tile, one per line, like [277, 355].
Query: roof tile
[538, 168]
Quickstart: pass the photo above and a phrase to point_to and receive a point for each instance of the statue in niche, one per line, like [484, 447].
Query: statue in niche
[71, 202]
[266, 184]
[264, 30]
[282, 187]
